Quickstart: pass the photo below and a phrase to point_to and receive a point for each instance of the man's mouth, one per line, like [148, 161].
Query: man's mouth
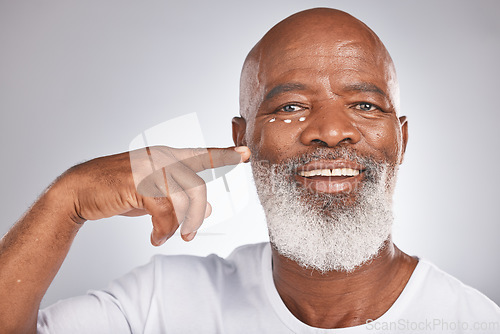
[330, 172]
[336, 176]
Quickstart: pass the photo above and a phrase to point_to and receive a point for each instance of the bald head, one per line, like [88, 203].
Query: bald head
[318, 39]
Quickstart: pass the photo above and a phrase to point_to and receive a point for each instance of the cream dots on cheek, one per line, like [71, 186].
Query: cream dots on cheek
[287, 120]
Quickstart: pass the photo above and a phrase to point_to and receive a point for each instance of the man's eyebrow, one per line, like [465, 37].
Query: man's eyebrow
[284, 88]
[365, 87]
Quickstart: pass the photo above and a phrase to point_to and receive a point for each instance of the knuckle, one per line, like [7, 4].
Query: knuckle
[198, 151]
[163, 204]
[199, 182]
[197, 189]
[180, 205]
[162, 156]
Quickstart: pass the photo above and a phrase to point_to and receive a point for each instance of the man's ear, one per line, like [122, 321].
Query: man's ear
[239, 129]
[404, 133]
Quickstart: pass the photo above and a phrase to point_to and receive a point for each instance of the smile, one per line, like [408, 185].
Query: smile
[334, 177]
[330, 172]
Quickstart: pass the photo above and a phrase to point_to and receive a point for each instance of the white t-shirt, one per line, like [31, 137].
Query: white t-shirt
[189, 294]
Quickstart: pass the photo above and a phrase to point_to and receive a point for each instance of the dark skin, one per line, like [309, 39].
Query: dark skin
[329, 69]
[35, 247]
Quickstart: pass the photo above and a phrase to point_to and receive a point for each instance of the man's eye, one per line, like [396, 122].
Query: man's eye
[365, 106]
[290, 108]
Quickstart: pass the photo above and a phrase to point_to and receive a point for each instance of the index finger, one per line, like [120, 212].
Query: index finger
[204, 158]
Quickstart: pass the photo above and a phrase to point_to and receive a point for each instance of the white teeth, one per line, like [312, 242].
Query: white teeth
[330, 172]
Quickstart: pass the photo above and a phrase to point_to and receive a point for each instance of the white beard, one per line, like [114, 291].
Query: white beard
[323, 231]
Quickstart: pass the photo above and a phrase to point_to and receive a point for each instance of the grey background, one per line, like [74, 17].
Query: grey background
[80, 79]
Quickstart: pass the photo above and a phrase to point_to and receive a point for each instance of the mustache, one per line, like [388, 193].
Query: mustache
[322, 153]
[288, 166]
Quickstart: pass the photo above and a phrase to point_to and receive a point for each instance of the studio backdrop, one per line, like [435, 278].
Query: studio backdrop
[82, 79]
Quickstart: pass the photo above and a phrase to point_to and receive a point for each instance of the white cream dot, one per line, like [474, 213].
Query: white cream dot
[287, 121]
[272, 120]
[302, 119]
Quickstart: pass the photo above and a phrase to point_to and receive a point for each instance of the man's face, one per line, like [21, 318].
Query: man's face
[320, 108]
[327, 94]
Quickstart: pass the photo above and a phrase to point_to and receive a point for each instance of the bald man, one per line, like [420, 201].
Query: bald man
[320, 119]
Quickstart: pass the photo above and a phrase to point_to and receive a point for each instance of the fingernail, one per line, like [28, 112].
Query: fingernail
[240, 149]
[189, 237]
[243, 151]
[157, 243]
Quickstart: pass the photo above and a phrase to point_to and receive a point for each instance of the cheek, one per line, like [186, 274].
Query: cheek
[385, 139]
[276, 137]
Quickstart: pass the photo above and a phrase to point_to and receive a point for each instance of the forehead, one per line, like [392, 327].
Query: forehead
[332, 62]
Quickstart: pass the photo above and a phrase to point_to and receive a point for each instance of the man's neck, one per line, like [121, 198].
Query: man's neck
[339, 299]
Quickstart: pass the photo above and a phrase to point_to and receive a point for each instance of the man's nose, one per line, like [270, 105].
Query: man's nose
[330, 125]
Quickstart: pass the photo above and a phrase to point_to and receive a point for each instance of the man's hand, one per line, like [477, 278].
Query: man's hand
[160, 181]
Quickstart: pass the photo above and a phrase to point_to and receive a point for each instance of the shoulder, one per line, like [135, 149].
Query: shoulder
[183, 269]
[447, 285]
[195, 282]
[243, 262]
[441, 293]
